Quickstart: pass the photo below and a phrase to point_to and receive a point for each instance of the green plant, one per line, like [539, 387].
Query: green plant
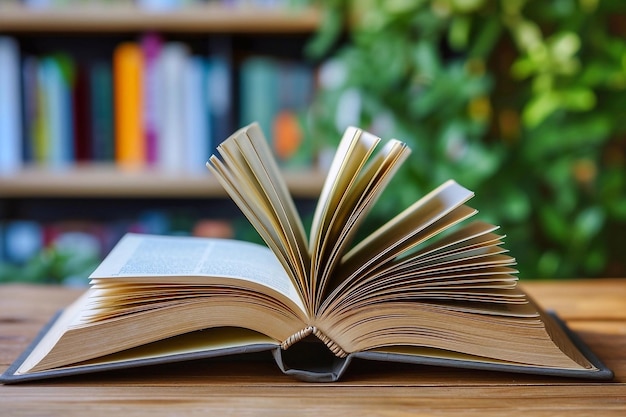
[52, 265]
[521, 101]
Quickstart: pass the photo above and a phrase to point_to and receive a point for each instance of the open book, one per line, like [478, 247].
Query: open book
[426, 287]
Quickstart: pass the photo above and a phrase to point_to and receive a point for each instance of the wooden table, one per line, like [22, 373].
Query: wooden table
[595, 309]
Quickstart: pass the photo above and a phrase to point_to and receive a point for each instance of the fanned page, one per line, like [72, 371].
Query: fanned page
[251, 176]
[437, 211]
[353, 185]
[421, 281]
[356, 178]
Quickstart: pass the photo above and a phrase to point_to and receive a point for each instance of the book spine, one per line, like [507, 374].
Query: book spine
[82, 115]
[130, 149]
[219, 91]
[29, 106]
[10, 107]
[65, 89]
[259, 86]
[171, 132]
[41, 130]
[52, 123]
[101, 111]
[196, 115]
[58, 112]
[151, 45]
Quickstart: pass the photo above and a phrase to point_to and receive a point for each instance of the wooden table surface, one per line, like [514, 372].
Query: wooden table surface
[595, 309]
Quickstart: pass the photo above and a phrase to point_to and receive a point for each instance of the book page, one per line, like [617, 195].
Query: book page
[353, 186]
[183, 256]
[252, 178]
[429, 216]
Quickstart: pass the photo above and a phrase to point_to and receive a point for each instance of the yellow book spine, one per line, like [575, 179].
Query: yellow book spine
[130, 147]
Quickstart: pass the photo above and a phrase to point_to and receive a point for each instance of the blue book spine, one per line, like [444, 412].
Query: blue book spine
[220, 107]
[196, 120]
[10, 107]
[51, 84]
[58, 114]
[101, 95]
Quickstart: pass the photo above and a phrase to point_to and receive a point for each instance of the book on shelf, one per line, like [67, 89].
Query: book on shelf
[10, 104]
[220, 71]
[274, 93]
[128, 83]
[428, 287]
[100, 94]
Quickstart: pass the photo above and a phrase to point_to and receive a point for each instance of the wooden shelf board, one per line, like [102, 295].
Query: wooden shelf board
[95, 181]
[117, 18]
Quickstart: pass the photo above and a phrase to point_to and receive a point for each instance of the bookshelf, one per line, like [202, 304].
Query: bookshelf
[114, 18]
[101, 21]
[108, 181]
[96, 190]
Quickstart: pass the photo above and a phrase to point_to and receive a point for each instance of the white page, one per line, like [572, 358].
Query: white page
[183, 256]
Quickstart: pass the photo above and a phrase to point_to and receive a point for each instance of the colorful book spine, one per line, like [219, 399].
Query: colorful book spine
[154, 103]
[220, 103]
[58, 113]
[151, 45]
[130, 147]
[82, 115]
[196, 115]
[67, 72]
[259, 86]
[10, 107]
[171, 112]
[30, 105]
[101, 111]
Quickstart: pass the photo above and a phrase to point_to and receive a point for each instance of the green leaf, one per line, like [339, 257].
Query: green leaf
[540, 108]
[595, 260]
[458, 35]
[549, 263]
[489, 32]
[554, 224]
[516, 205]
[426, 59]
[578, 98]
[587, 225]
[564, 45]
[467, 6]
[327, 34]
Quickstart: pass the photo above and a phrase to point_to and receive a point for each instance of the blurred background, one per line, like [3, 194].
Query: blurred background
[108, 110]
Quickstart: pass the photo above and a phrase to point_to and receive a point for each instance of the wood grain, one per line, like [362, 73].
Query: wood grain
[595, 309]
